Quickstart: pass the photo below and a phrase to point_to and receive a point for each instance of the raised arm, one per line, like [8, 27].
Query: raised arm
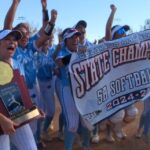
[109, 23]
[45, 16]
[47, 31]
[11, 14]
[45, 12]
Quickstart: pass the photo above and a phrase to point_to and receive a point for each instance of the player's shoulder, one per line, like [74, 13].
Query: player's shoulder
[88, 43]
[16, 65]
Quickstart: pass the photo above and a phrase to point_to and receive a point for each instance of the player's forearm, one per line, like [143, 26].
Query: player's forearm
[2, 118]
[108, 27]
[45, 14]
[44, 20]
[41, 40]
[47, 31]
[11, 15]
[109, 23]
[7, 126]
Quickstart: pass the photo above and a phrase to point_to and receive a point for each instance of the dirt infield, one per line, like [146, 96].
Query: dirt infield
[130, 143]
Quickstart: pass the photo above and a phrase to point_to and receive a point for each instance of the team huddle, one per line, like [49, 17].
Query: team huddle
[44, 66]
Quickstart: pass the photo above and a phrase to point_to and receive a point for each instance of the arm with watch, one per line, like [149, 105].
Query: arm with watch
[44, 12]
[47, 31]
[50, 25]
[45, 16]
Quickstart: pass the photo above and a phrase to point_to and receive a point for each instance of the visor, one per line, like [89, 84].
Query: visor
[70, 33]
[117, 28]
[4, 33]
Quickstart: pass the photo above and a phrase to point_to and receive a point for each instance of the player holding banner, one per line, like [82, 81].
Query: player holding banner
[70, 112]
[128, 114]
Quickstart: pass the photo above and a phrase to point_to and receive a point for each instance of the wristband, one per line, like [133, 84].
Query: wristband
[49, 28]
[45, 15]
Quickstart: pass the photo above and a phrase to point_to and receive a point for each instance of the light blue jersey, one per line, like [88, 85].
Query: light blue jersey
[25, 57]
[64, 72]
[85, 44]
[45, 64]
[16, 65]
[69, 109]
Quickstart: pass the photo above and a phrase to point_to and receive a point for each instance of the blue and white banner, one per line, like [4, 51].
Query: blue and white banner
[111, 76]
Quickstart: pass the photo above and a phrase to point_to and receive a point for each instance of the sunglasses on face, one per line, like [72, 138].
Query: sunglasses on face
[121, 31]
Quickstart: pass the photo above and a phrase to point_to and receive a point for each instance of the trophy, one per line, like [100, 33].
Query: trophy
[15, 101]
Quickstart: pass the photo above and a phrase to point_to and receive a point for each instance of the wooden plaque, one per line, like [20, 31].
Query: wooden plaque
[15, 101]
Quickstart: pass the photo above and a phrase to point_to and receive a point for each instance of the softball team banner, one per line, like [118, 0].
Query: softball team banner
[111, 76]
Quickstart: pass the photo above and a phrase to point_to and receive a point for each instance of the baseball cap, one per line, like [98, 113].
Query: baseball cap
[81, 23]
[4, 33]
[117, 28]
[64, 31]
[70, 33]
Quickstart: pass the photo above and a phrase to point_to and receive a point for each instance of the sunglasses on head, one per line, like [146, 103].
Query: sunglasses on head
[121, 31]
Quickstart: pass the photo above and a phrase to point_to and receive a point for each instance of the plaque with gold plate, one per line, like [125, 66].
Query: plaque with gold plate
[15, 101]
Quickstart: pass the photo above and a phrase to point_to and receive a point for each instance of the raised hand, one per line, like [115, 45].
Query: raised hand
[53, 16]
[16, 1]
[11, 14]
[44, 4]
[113, 8]
[110, 22]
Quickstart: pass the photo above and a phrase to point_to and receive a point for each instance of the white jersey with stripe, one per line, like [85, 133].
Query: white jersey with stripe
[69, 109]
[64, 73]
